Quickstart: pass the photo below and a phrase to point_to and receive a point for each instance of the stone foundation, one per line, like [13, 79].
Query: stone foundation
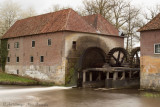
[44, 73]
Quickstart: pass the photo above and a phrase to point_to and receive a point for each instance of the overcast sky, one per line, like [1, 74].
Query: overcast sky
[42, 5]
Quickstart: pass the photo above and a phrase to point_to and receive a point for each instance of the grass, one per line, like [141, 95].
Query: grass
[8, 79]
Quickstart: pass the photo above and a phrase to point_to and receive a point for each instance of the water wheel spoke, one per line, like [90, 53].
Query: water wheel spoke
[137, 58]
[122, 59]
[119, 53]
[136, 55]
[114, 58]
[117, 56]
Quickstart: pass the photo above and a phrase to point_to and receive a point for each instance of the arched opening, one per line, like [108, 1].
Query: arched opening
[92, 57]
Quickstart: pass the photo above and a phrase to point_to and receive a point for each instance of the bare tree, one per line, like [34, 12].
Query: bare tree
[113, 10]
[56, 7]
[151, 12]
[29, 12]
[133, 24]
[119, 12]
[102, 7]
[9, 13]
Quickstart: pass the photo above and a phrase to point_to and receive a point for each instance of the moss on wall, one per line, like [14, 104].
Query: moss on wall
[4, 53]
[71, 74]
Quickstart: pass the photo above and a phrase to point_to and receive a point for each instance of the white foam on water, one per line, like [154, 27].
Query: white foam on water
[10, 91]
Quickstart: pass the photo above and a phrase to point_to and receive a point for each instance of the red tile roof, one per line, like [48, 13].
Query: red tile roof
[101, 24]
[64, 20]
[154, 24]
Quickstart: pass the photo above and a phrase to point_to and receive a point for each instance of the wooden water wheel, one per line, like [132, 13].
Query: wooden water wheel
[135, 58]
[117, 57]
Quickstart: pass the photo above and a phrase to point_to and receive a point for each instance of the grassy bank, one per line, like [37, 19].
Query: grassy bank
[8, 79]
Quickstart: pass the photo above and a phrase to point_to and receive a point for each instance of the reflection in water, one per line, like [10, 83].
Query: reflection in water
[68, 97]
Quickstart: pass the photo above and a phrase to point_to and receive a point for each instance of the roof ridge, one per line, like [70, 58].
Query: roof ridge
[67, 18]
[44, 14]
[96, 21]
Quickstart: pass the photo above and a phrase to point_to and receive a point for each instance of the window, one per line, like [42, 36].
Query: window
[157, 48]
[16, 45]
[17, 59]
[33, 43]
[42, 58]
[31, 59]
[8, 46]
[17, 71]
[74, 45]
[49, 42]
[8, 59]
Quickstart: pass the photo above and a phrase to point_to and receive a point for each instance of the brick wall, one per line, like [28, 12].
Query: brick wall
[59, 57]
[150, 62]
[148, 39]
[50, 68]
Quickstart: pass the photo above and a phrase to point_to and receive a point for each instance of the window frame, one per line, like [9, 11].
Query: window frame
[17, 59]
[16, 45]
[31, 59]
[74, 45]
[34, 43]
[48, 42]
[155, 48]
[8, 45]
[8, 60]
[41, 59]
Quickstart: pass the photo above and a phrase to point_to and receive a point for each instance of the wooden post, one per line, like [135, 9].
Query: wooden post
[123, 76]
[90, 76]
[107, 75]
[130, 74]
[84, 76]
[115, 75]
[99, 75]
[78, 75]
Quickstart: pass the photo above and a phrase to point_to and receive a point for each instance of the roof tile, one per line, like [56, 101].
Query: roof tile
[62, 20]
[154, 24]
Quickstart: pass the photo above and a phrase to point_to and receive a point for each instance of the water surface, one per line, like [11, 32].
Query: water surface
[18, 96]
